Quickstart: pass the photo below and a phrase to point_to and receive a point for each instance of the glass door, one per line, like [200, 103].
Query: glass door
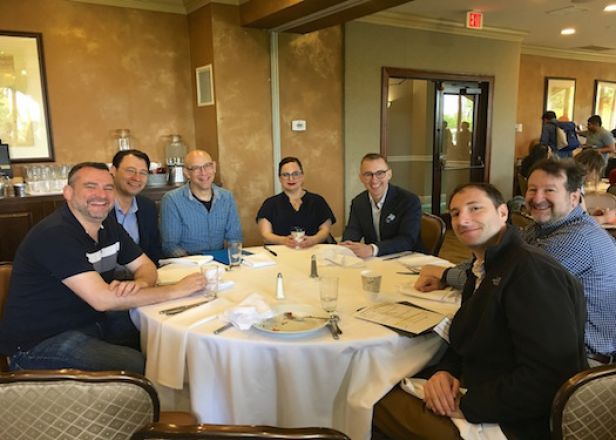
[433, 132]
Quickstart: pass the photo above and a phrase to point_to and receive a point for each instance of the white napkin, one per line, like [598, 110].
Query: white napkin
[253, 309]
[468, 431]
[258, 260]
[339, 256]
[193, 260]
[172, 273]
[448, 296]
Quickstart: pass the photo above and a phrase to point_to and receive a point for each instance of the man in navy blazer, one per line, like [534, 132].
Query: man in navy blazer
[387, 217]
[137, 214]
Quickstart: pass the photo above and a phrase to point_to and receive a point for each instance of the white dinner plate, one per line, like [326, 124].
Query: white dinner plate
[293, 320]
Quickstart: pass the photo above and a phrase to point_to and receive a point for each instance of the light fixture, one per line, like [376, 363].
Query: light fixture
[610, 8]
[567, 31]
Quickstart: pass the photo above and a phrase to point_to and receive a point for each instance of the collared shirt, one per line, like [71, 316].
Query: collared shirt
[129, 220]
[376, 218]
[187, 227]
[589, 253]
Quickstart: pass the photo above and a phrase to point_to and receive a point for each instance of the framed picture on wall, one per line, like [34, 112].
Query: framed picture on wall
[605, 103]
[24, 112]
[560, 97]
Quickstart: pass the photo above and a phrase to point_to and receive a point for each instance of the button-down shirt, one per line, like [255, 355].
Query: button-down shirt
[128, 220]
[376, 218]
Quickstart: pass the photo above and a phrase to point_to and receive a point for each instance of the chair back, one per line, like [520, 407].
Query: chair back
[72, 404]
[522, 184]
[584, 406]
[432, 233]
[5, 276]
[521, 220]
[244, 432]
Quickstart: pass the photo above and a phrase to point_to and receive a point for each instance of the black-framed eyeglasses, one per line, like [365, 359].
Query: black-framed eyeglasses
[294, 174]
[133, 172]
[380, 174]
[208, 166]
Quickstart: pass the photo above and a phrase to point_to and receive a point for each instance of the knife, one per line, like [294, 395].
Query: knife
[223, 328]
[175, 310]
[336, 318]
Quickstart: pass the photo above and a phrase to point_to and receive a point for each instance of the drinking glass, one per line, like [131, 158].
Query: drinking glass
[298, 235]
[212, 274]
[235, 253]
[328, 288]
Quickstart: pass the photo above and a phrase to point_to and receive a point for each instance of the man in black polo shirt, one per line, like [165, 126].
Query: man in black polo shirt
[63, 307]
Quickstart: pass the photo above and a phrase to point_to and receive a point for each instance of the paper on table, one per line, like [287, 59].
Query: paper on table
[339, 256]
[448, 296]
[258, 260]
[405, 317]
[421, 260]
[172, 273]
[468, 431]
[193, 260]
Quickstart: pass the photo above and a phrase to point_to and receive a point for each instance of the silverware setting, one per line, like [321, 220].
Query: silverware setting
[333, 326]
[179, 309]
[223, 328]
[414, 270]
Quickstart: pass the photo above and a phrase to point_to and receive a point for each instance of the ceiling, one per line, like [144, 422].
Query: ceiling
[537, 22]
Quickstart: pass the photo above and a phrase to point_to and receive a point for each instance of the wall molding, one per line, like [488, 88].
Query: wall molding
[569, 54]
[171, 6]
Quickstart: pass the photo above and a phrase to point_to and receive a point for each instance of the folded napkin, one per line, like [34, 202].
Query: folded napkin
[253, 309]
[339, 256]
[448, 296]
[468, 431]
[258, 260]
[193, 260]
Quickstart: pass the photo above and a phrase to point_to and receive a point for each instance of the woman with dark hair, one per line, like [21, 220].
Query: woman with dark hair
[537, 152]
[294, 209]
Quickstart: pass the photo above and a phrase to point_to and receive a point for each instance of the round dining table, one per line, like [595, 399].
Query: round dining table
[290, 379]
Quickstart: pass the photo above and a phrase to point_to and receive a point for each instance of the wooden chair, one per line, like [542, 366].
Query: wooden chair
[5, 276]
[523, 184]
[521, 220]
[584, 406]
[226, 432]
[432, 233]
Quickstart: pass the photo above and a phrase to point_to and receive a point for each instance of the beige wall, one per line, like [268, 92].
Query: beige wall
[533, 70]
[109, 68]
[311, 89]
[368, 47]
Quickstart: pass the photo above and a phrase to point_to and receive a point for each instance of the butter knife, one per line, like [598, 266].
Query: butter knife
[179, 309]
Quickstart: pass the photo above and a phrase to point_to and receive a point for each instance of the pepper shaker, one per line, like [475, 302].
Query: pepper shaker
[313, 267]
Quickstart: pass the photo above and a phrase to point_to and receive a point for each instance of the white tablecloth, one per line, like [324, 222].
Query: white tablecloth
[251, 377]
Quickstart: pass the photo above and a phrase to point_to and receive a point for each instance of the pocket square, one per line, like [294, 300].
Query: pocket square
[390, 218]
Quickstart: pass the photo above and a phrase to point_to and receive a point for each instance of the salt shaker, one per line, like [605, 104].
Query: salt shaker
[313, 267]
[279, 287]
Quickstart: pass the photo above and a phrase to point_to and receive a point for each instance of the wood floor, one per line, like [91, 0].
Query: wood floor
[453, 250]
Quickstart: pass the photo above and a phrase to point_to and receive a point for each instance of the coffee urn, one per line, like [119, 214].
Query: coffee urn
[174, 154]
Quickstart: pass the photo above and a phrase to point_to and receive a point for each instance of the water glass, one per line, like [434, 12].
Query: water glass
[298, 235]
[328, 288]
[212, 274]
[234, 248]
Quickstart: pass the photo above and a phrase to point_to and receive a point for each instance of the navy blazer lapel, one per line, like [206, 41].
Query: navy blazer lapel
[388, 206]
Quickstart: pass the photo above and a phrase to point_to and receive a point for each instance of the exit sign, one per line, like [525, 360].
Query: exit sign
[474, 20]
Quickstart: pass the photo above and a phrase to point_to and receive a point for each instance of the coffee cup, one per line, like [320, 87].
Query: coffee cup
[371, 281]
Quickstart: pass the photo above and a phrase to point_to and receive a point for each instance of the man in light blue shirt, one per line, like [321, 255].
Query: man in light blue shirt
[199, 216]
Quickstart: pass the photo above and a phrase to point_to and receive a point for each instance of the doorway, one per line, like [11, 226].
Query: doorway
[434, 132]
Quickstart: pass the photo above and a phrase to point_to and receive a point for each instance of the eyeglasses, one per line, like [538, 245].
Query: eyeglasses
[208, 166]
[380, 174]
[133, 172]
[294, 174]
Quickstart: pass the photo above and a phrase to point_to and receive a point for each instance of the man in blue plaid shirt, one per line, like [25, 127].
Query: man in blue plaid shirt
[565, 231]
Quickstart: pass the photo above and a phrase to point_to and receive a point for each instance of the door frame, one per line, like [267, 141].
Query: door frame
[396, 72]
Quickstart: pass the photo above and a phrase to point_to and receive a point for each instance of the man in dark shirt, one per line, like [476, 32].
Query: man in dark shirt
[387, 217]
[517, 337]
[62, 309]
